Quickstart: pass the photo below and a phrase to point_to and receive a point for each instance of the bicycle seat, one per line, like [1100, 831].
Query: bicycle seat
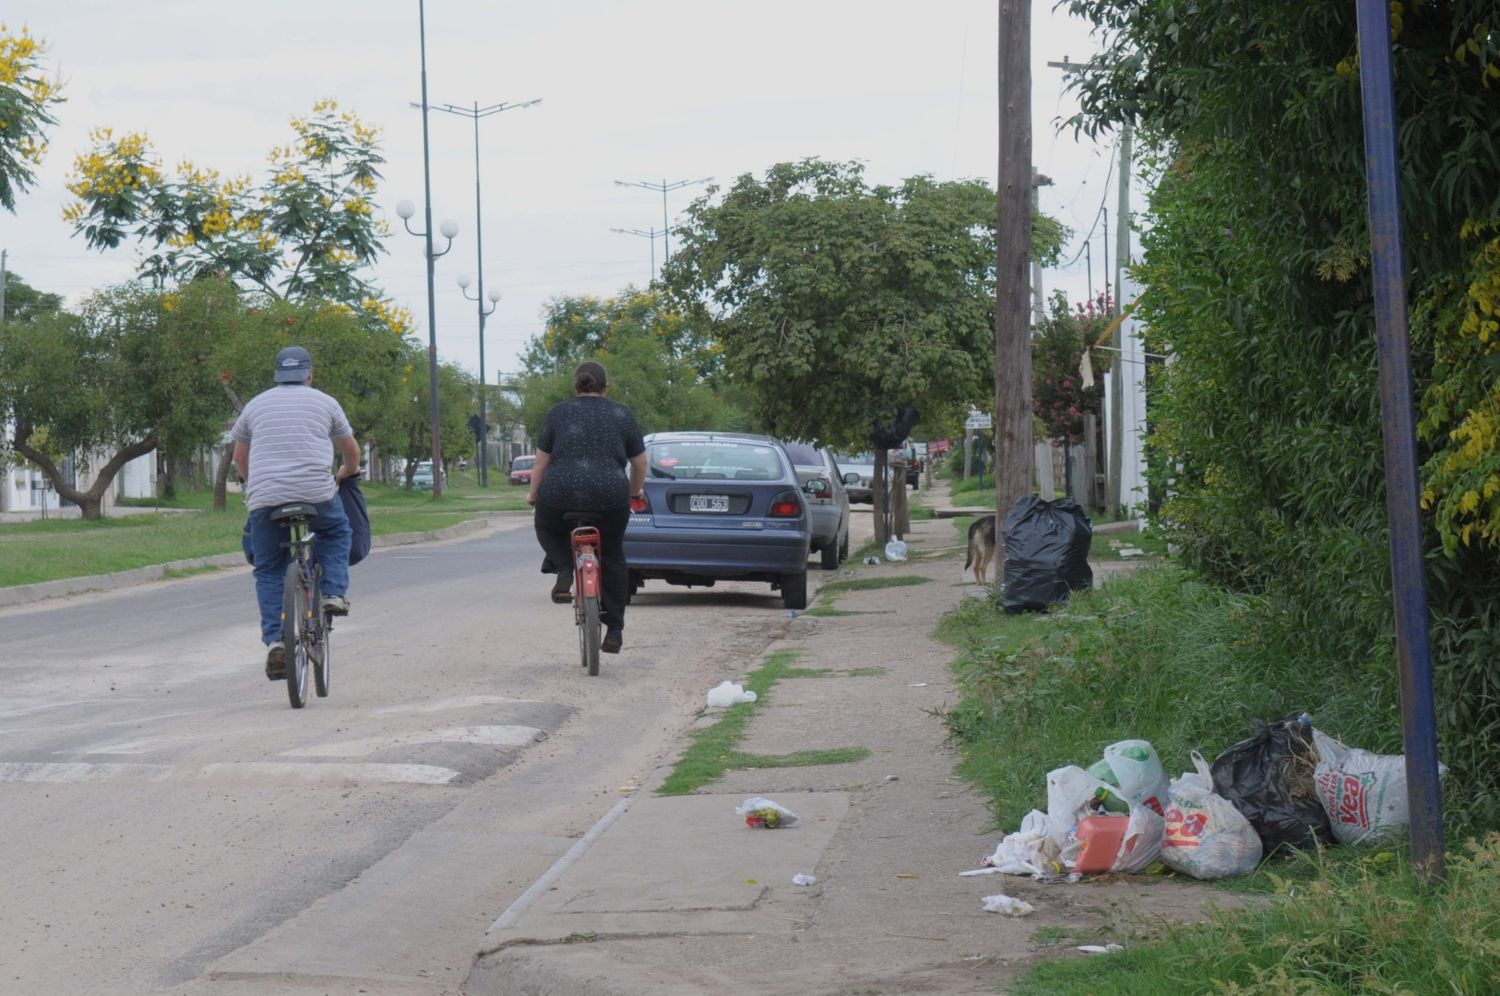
[282, 514]
[582, 518]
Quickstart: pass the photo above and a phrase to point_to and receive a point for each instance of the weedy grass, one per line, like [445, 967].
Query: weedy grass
[712, 751]
[1354, 926]
[1159, 655]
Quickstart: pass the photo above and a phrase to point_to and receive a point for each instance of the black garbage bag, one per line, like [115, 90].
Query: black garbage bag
[1046, 553]
[359, 519]
[1269, 778]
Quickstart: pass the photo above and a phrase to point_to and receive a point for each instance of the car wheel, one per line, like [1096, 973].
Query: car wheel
[830, 555]
[844, 548]
[794, 591]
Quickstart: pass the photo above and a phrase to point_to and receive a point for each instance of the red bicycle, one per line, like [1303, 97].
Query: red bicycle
[586, 585]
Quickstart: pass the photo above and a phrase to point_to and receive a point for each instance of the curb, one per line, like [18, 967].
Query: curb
[25, 594]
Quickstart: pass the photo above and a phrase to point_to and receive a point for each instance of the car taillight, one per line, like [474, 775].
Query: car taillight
[641, 504]
[825, 493]
[785, 506]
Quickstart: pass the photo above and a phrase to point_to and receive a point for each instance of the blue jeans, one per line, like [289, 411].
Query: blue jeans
[268, 545]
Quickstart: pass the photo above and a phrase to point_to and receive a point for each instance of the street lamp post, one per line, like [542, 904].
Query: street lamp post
[476, 113]
[405, 210]
[651, 234]
[484, 425]
[664, 186]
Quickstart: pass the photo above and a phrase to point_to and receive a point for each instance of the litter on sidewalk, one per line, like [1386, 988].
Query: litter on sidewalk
[728, 693]
[804, 880]
[764, 813]
[1008, 905]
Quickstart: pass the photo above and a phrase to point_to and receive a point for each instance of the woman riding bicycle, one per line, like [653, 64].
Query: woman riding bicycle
[583, 450]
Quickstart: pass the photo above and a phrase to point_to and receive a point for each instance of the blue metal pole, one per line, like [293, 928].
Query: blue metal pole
[1388, 265]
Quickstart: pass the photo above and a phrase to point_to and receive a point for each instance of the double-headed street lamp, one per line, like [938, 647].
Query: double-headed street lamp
[664, 186]
[651, 234]
[484, 425]
[476, 113]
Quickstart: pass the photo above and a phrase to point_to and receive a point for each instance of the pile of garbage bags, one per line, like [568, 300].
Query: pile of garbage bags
[1287, 785]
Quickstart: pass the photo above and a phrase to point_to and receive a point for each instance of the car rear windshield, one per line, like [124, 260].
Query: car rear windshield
[715, 459]
[803, 454]
[522, 463]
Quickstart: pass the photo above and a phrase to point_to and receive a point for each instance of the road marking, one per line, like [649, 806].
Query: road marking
[405, 774]
[489, 736]
[79, 771]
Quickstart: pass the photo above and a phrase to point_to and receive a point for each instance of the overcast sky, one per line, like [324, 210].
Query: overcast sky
[650, 90]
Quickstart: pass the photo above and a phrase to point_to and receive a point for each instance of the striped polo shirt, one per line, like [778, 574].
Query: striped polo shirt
[290, 429]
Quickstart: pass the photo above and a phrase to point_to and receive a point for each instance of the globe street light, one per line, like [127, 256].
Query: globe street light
[484, 425]
[476, 113]
[405, 210]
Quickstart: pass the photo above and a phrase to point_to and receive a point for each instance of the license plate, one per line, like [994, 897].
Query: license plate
[708, 503]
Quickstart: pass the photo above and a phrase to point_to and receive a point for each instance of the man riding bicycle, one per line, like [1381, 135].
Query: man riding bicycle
[282, 453]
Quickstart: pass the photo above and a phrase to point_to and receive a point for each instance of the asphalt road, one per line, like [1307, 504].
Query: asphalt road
[169, 824]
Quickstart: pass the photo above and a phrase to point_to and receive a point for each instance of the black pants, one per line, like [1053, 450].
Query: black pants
[555, 534]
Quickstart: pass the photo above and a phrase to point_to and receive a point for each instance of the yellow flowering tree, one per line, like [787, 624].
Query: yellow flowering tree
[305, 232]
[26, 94]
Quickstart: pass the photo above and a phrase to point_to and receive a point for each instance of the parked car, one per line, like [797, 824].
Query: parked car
[829, 508]
[862, 467]
[520, 469]
[721, 507]
[421, 478]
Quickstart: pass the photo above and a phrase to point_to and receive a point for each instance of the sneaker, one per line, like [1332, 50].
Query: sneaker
[613, 639]
[336, 605]
[562, 590]
[275, 661]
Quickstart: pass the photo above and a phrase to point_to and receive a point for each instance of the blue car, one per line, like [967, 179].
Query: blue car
[720, 506]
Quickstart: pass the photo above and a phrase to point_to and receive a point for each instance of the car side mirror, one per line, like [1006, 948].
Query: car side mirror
[815, 485]
[851, 478]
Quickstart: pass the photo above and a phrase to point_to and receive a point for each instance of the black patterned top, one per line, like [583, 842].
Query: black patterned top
[590, 440]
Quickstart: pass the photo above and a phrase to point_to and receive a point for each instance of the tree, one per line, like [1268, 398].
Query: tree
[404, 426]
[656, 360]
[1058, 397]
[26, 96]
[836, 303]
[303, 233]
[114, 379]
[23, 303]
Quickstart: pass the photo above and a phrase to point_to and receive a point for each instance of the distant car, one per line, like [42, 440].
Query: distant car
[421, 478]
[520, 469]
[721, 506]
[862, 467]
[828, 509]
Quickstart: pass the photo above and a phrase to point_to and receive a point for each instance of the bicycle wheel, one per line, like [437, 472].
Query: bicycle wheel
[323, 662]
[588, 634]
[293, 628]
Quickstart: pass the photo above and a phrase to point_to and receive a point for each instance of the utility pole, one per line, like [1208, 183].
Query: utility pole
[1038, 299]
[3, 254]
[1117, 369]
[1013, 451]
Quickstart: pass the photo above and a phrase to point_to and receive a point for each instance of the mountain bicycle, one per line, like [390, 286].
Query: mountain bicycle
[305, 627]
[586, 586]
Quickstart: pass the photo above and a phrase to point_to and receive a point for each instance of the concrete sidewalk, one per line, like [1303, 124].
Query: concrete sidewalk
[675, 895]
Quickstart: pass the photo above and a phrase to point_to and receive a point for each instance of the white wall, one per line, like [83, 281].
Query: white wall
[1133, 393]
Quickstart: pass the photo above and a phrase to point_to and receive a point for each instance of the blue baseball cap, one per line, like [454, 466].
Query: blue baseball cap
[293, 364]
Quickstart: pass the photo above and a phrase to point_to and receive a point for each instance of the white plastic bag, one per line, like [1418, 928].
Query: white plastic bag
[1008, 905]
[1138, 773]
[728, 693]
[1026, 852]
[1364, 794]
[895, 551]
[1144, 835]
[1206, 836]
[764, 813]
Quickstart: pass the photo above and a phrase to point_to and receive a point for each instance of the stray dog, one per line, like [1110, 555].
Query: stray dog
[981, 546]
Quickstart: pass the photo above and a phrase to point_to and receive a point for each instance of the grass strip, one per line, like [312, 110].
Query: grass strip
[707, 757]
[1360, 926]
[869, 584]
[798, 759]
